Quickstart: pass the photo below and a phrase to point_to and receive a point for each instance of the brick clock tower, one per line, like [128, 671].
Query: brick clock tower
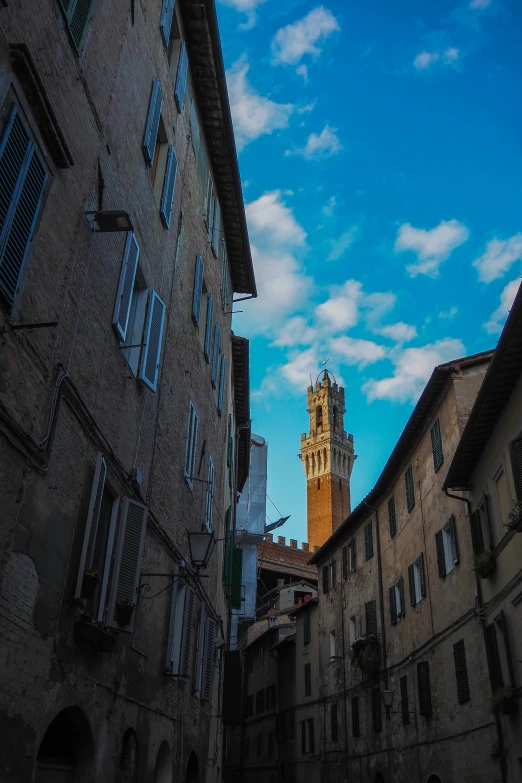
[327, 457]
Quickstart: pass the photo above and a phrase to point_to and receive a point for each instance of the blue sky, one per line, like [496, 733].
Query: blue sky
[380, 151]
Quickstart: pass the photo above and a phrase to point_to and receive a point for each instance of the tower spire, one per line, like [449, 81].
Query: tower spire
[327, 457]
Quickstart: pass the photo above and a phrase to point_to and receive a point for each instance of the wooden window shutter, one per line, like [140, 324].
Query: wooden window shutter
[441, 560]
[393, 605]
[436, 446]
[411, 582]
[153, 335]
[368, 540]
[424, 688]
[109, 552]
[454, 541]
[208, 659]
[192, 437]
[198, 290]
[484, 510]
[215, 355]
[198, 680]
[186, 637]
[91, 522]
[209, 507]
[175, 626]
[495, 672]
[422, 572]
[77, 15]
[208, 327]
[236, 578]
[23, 178]
[129, 553]
[461, 672]
[120, 318]
[344, 562]
[410, 489]
[477, 538]
[222, 379]
[334, 725]
[353, 550]
[507, 647]
[333, 568]
[515, 450]
[356, 728]
[376, 709]
[400, 585]
[326, 580]
[392, 517]
[169, 184]
[181, 77]
[153, 121]
[371, 617]
[167, 12]
[405, 708]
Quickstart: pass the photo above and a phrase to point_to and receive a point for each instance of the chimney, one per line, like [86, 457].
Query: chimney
[317, 548]
[270, 538]
[280, 582]
[281, 540]
[293, 543]
[305, 547]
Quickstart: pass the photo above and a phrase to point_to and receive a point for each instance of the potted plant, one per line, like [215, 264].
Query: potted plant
[485, 564]
[124, 612]
[515, 517]
[504, 701]
[366, 654]
[89, 584]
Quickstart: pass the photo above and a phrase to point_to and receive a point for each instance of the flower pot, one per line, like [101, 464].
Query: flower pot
[89, 584]
[124, 614]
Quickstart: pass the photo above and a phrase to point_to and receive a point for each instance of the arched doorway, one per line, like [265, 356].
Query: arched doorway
[163, 771]
[129, 758]
[192, 775]
[379, 778]
[434, 779]
[66, 752]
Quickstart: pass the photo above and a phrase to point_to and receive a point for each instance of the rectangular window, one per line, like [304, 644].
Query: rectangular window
[179, 651]
[353, 629]
[392, 517]
[356, 729]
[307, 628]
[326, 579]
[209, 505]
[371, 617]
[332, 644]
[150, 136]
[308, 679]
[77, 14]
[410, 489]
[191, 444]
[405, 707]
[344, 561]
[23, 177]
[333, 573]
[334, 725]
[376, 709]
[308, 742]
[417, 580]
[493, 656]
[436, 446]
[424, 688]
[447, 547]
[461, 672]
[181, 77]
[353, 556]
[368, 540]
[396, 593]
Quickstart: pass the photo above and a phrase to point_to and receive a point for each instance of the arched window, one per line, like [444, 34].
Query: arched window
[66, 751]
[192, 775]
[319, 416]
[335, 417]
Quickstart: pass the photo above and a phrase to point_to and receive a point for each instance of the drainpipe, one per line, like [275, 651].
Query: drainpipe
[500, 735]
[344, 684]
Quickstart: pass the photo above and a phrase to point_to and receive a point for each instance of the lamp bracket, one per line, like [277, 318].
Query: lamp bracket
[145, 586]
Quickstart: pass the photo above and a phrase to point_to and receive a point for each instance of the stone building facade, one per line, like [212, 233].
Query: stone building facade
[124, 408]
[398, 614]
[487, 472]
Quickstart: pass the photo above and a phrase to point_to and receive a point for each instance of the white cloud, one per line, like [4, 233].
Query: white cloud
[425, 60]
[329, 207]
[479, 3]
[254, 114]
[432, 246]
[296, 331]
[320, 145]
[377, 305]
[451, 313]
[301, 366]
[413, 367]
[271, 222]
[498, 257]
[247, 7]
[292, 42]
[341, 310]
[303, 71]
[341, 245]
[495, 323]
[399, 332]
[356, 351]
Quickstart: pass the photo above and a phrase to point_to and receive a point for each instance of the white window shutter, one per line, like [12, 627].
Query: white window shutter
[91, 524]
[175, 624]
[151, 352]
[192, 438]
[208, 659]
[128, 556]
[186, 638]
[200, 651]
[108, 562]
[120, 318]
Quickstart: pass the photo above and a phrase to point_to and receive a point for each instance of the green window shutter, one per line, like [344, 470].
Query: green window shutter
[333, 567]
[169, 183]
[237, 576]
[215, 355]
[411, 582]
[393, 605]
[405, 709]
[454, 540]
[410, 489]
[495, 672]
[371, 617]
[436, 446]
[424, 688]
[392, 517]
[167, 13]
[120, 317]
[22, 178]
[420, 563]
[344, 560]
[153, 121]
[461, 672]
[181, 77]
[368, 540]
[151, 351]
[208, 328]
[441, 560]
[515, 450]
[477, 538]
[353, 564]
[376, 709]
[198, 290]
[77, 15]
[334, 725]
[222, 379]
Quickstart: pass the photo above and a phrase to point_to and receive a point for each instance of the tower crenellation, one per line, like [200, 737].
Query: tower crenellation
[327, 457]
